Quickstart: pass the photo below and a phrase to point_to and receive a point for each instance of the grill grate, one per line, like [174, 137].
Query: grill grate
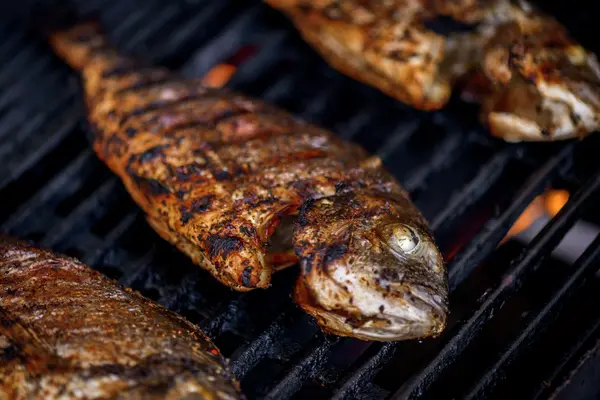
[471, 188]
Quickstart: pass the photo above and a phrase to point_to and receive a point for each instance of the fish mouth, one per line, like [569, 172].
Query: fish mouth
[350, 305]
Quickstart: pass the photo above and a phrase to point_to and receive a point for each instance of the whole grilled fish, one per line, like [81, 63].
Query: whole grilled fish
[538, 83]
[224, 177]
[67, 332]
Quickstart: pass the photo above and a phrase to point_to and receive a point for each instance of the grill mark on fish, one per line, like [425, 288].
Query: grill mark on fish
[169, 121]
[222, 246]
[149, 186]
[145, 83]
[162, 105]
[150, 154]
[198, 206]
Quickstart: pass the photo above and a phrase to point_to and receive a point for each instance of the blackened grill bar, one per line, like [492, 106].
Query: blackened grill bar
[57, 193]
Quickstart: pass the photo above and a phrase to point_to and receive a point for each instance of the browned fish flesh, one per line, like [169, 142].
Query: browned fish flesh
[539, 84]
[68, 332]
[224, 178]
[544, 85]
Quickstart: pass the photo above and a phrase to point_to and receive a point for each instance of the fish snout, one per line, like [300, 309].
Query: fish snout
[398, 311]
[369, 307]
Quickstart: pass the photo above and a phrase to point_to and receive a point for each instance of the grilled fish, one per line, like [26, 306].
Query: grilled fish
[533, 80]
[66, 331]
[244, 188]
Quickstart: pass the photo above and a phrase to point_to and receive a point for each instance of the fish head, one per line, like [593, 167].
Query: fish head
[370, 268]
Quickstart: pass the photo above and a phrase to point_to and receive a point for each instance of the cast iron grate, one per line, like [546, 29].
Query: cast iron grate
[505, 302]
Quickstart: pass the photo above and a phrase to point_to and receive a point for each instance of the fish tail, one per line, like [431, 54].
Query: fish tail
[78, 44]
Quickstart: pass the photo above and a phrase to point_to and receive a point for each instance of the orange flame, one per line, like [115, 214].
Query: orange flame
[548, 203]
[555, 200]
[219, 75]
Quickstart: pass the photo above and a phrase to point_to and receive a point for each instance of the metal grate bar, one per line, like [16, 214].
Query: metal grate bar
[234, 36]
[470, 194]
[66, 182]
[8, 46]
[226, 310]
[571, 355]
[398, 138]
[359, 122]
[137, 268]
[26, 55]
[443, 155]
[30, 128]
[547, 239]
[109, 241]
[279, 89]
[308, 366]
[268, 54]
[494, 230]
[583, 268]
[30, 160]
[90, 206]
[15, 89]
[129, 22]
[316, 108]
[190, 28]
[151, 26]
[366, 371]
[258, 349]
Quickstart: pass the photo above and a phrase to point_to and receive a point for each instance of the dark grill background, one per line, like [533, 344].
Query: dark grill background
[517, 317]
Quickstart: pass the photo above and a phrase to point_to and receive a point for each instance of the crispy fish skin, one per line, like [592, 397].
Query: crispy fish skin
[216, 172]
[538, 83]
[66, 331]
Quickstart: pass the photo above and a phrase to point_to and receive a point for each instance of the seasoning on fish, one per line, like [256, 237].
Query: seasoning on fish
[66, 331]
[538, 83]
[225, 177]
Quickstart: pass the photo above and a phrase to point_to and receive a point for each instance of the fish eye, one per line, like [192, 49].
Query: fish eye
[405, 238]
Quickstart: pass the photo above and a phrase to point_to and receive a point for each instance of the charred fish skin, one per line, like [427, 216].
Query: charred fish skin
[66, 332]
[216, 172]
[538, 83]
